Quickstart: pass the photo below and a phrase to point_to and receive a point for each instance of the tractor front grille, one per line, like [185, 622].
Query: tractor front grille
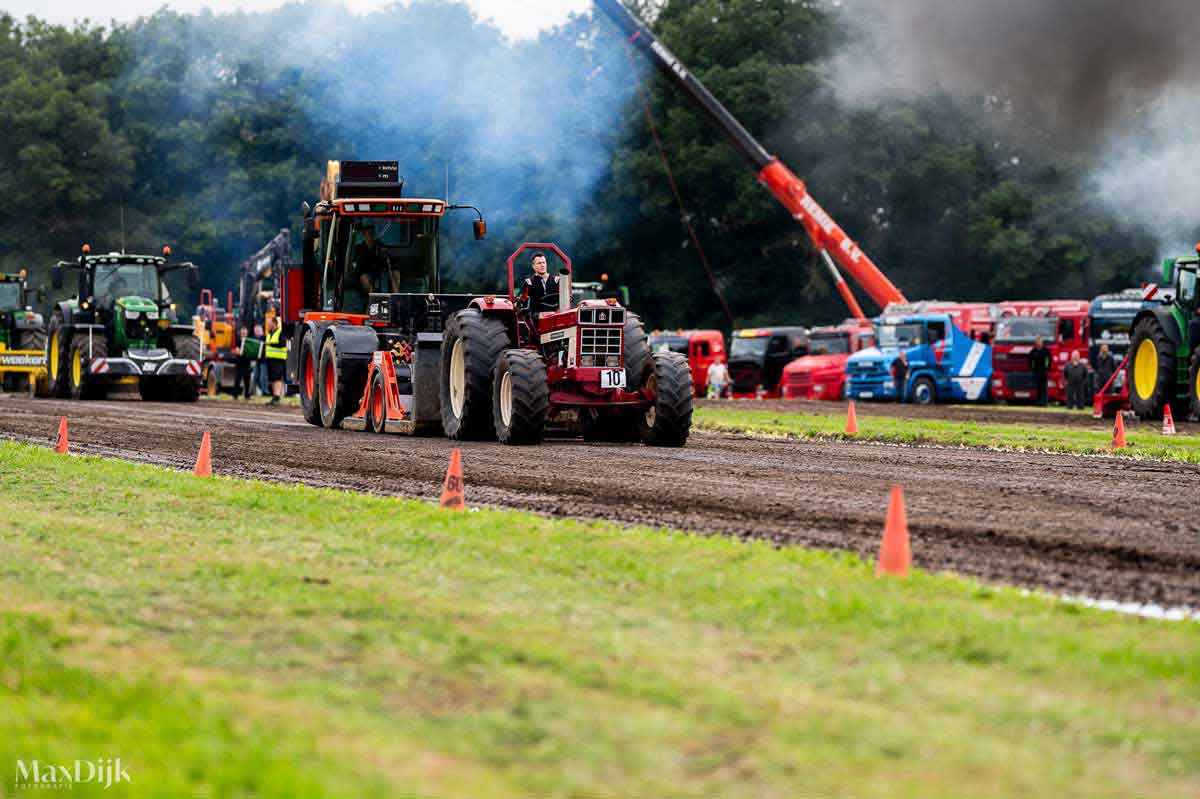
[600, 342]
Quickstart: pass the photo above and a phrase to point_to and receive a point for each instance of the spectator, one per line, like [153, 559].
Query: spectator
[1106, 366]
[718, 379]
[900, 375]
[1076, 375]
[260, 367]
[243, 383]
[1039, 364]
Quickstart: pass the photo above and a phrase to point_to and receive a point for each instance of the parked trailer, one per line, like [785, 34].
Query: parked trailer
[1063, 327]
[702, 348]
[471, 367]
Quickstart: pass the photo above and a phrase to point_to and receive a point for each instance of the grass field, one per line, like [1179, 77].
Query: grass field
[1026, 437]
[229, 638]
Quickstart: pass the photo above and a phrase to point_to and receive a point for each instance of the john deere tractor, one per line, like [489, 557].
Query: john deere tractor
[22, 335]
[1164, 348]
[121, 328]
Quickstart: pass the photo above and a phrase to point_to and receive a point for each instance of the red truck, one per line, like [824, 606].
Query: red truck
[702, 348]
[1061, 324]
[821, 375]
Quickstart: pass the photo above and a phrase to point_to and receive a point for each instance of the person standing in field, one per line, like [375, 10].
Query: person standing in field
[900, 375]
[1105, 367]
[1076, 375]
[243, 380]
[1039, 364]
[718, 379]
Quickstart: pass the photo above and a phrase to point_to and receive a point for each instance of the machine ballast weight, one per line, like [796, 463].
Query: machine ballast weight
[826, 235]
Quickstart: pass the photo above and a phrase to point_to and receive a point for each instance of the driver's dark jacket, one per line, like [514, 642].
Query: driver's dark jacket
[542, 293]
[371, 261]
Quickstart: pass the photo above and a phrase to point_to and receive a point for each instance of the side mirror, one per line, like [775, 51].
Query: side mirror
[480, 229]
[193, 277]
[306, 208]
[56, 277]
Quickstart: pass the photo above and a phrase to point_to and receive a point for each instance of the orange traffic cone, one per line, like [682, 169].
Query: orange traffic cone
[851, 420]
[204, 459]
[61, 445]
[1168, 422]
[1119, 432]
[452, 489]
[895, 557]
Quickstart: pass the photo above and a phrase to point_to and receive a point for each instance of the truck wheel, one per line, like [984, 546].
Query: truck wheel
[308, 381]
[1151, 370]
[377, 404]
[58, 358]
[924, 391]
[184, 388]
[472, 344]
[637, 352]
[335, 394]
[1194, 384]
[84, 386]
[668, 421]
[520, 397]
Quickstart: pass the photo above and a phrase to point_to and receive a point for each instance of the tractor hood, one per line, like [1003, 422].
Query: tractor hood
[133, 307]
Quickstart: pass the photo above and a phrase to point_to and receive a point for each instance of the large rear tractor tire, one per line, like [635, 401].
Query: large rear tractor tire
[470, 349]
[638, 364]
[83, 385]
[338, 392]
[520, 397]
[184, 388]
[307, 377]
[1151, 375]
[1194, 384]
[58, 358]
[668, 421]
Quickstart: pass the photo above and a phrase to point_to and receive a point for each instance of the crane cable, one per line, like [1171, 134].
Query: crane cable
[684, 217]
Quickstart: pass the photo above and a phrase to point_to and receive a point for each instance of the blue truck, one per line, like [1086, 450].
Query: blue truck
[944, 363]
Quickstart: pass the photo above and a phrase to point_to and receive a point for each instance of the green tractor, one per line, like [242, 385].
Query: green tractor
[1164, 348]
[121, 328]
[22, 335]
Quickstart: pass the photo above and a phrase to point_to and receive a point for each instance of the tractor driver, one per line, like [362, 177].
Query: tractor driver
[541, 288]
[370, 268]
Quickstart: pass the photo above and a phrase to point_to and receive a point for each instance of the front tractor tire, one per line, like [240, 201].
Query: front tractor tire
[668, 421]
[307, 366]
[336, 395]
[520, 397]
[470, 350]
[58, 358]
[637, 352]
[84, 385]
[1194, 384]
[1151, 375]
[184, 388]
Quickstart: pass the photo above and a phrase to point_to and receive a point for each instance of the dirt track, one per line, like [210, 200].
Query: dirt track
[1098, 526]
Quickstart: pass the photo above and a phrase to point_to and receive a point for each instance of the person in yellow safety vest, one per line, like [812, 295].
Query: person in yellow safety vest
[276, 358]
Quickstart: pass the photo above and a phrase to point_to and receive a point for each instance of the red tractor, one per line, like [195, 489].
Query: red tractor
[373, 340]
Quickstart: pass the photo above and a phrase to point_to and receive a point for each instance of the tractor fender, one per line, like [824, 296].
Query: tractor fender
[1165, 319]
[503, 309]
[354, 342]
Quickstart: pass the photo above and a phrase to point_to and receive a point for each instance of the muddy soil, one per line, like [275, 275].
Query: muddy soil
[984, 414]
[1098, 526]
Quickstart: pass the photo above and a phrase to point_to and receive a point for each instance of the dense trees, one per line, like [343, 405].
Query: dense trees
[207, 131]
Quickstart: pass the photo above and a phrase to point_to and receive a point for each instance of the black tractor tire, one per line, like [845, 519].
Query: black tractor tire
[307, 378]
[377, 404]
[32, 340]
[57, 382]
[184, 388]
[337, 392]
[470, 349]
[1163, 392]
[520, 397]
[601, 426]
[638, 364]
[924, 392]
[87, 387]
[668, 421]
[1194, 384]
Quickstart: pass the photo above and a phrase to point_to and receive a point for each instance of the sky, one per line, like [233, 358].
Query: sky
[517, 18]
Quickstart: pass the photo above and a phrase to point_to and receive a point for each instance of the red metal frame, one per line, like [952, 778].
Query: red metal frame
[391, 404]
[529, 245]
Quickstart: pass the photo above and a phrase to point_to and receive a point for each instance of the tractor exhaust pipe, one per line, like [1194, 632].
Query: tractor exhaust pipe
[564, 290]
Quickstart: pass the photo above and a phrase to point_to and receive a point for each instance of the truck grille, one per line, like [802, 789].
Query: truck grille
[799, 380]
[1019, 381]
[600, 341]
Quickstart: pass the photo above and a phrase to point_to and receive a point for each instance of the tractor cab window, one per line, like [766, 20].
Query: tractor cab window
[114, 281]
[394, 254]
[10, 297]
[905, 335]
[1187, 287]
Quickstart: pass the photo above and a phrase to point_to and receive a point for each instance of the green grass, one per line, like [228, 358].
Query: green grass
[1143, 443]
[252, 640]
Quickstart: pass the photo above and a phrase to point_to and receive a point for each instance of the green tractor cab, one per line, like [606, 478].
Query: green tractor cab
[1164, 347]
[121, 328]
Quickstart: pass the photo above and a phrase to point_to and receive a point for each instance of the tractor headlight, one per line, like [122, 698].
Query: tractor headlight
[131, 315]
[587, 361]
[613, 361]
